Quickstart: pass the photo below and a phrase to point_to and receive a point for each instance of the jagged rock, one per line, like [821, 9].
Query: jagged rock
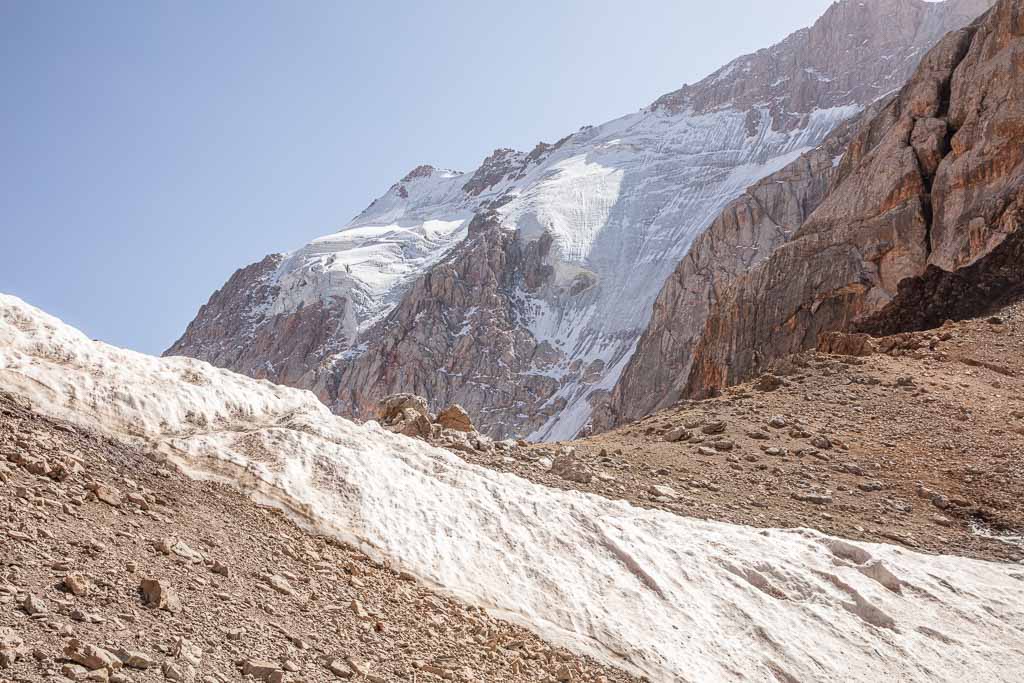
[406, 414]
[890, 247]
[454, 417]
[158, 594]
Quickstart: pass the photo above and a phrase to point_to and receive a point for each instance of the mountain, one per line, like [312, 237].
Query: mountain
[658, 595]
[520, 290]
[920, 221]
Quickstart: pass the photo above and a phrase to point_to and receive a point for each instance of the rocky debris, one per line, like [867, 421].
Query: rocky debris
[205, 559]
[678, 434]
[816, 498]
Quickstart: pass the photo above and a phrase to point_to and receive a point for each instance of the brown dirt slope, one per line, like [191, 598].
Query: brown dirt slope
[245, 593]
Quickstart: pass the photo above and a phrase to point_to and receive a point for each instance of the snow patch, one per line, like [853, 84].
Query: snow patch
[665, 596]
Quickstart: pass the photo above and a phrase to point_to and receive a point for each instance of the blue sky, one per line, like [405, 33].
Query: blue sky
[148, 149]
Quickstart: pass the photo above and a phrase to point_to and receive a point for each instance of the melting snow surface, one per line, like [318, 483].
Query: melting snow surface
[670, 597]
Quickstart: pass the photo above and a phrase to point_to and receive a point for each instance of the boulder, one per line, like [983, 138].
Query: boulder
[454, 417]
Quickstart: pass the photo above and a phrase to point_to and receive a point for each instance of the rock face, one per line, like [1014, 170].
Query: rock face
[920, 221]
[520, 290]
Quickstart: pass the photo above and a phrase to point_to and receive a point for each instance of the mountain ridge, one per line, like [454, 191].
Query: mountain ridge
[613, 207]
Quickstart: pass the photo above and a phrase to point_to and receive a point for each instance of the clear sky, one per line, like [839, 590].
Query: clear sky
[148, 149]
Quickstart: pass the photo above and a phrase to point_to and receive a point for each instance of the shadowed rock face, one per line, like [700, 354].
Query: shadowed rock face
[529, 320]
[922, 222]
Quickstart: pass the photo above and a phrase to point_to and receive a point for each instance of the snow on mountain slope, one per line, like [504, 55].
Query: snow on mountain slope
[669, 597]
[615, 207]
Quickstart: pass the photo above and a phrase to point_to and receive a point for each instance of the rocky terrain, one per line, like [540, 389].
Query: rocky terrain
[116, 567]
[915, 439]
[553, 257]
[920, 222]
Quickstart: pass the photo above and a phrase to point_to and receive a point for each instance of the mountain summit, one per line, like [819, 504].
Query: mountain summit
[519, 290]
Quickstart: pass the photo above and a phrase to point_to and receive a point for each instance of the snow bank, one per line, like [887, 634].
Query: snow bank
[670, 597]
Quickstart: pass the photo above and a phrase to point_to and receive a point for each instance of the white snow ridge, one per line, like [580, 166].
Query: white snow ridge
[673, 598]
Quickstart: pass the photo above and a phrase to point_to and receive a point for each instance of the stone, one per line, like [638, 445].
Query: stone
[279, 584]
[74, 672]
[678, 434]
[406, 414]
[76, 584]
[570, 469]
[109, 495]
[768, 382]
[263, 671]
[821, 441]
[179, 673]
[33, 605]
[158, 594]
[455, 417]
[91, 656]
[662, 491]
[11, 647]
[815, 498]
[778, 422]
[134, 659]
[715, 427]
[340, 669]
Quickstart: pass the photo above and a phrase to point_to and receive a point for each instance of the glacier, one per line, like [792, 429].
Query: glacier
[672, 598]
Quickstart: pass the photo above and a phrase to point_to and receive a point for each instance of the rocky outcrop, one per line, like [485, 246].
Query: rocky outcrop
[520, 290]
[747, 232]
[456, 337]
[923, 220]
[857, 51]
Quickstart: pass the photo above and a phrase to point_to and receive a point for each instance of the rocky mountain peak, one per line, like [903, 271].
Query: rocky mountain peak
[555, 256]
[855, 52]
[502, 164]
